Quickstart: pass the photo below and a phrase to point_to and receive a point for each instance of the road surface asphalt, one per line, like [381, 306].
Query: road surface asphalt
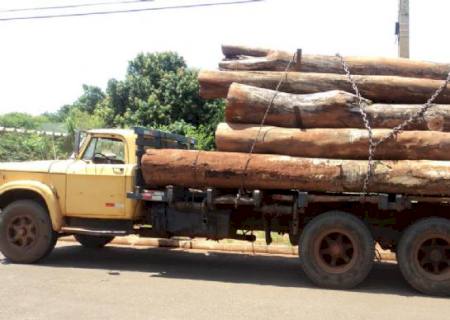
[120, 282]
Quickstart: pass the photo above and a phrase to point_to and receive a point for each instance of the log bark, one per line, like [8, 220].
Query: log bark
[330, 109]
[198, 169]
[244, 58]
[386, 89]
[332, 143]
[231, 51]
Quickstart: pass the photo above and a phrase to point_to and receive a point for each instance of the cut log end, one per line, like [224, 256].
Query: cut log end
[435, 122]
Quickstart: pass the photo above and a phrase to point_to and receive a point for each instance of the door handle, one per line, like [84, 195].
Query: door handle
[118, 170]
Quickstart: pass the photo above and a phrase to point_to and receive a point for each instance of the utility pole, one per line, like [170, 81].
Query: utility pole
[402, 29]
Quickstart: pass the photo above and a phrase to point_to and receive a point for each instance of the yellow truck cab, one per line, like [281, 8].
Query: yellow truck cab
[85, 195]
[100, 193]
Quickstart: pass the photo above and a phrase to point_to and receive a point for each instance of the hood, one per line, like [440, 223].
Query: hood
[47, 166]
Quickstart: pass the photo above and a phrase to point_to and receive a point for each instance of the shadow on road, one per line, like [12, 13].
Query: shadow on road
[278, 271]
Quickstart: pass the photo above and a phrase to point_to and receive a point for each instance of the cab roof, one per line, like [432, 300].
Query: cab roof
[123, 132]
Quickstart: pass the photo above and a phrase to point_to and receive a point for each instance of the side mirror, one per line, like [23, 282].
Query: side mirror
[76, 143]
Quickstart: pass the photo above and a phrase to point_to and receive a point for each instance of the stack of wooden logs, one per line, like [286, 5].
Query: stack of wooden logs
[313, 137]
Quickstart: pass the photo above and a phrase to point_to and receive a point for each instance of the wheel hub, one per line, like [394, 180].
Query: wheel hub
[433, 256]
[335, 251]
[22, 231]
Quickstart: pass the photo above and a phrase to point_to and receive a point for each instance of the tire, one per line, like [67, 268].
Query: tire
[26, 234]
[424, 256]
[93, 242]
[336, 250]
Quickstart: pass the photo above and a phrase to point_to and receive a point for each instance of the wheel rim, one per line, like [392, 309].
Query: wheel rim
[335, 251]
[433, 256]
[22, 232]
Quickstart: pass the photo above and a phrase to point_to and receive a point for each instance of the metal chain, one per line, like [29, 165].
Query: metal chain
[263, 121]
[419, 114]
[397, 129]
[365, 119]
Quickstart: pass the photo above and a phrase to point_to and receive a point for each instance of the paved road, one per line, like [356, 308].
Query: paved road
[152, 283]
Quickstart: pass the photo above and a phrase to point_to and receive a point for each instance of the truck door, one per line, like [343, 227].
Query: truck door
[96, 182]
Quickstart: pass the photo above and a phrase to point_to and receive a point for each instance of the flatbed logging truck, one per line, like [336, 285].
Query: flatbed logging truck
[100, 193]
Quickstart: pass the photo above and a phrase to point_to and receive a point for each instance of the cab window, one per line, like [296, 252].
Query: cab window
[105, 151]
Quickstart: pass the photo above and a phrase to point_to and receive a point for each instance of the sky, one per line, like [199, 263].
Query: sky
[43, 63]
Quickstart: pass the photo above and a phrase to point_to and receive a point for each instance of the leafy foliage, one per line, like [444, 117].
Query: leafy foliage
[21, 120]
[77, 119]
[20, 147]
[15, 147]
[158, 91]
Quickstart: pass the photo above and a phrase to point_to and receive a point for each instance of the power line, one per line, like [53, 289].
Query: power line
[81, 14]
[71, 6]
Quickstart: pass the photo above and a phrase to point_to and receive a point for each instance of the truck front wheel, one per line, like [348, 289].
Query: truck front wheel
[336, 250]
[26, 233]
[424, 256]
[93, 242]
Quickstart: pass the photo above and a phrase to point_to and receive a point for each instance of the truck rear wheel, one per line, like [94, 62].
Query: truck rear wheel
[26, 233]
[336, 250]
[93, 242]
[424, 256]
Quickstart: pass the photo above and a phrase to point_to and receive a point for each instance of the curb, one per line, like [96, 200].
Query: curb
[209, 245]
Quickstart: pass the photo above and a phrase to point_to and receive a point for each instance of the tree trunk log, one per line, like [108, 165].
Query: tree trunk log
[191, 168]
[332, 143]
[387, 89]
[253, 59]
[330, 109]
[230, 51]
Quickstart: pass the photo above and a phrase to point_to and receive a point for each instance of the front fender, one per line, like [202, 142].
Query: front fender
[45, 191]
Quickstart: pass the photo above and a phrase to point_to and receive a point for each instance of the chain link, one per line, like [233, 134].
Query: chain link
[263, 121]
[365, 119]
[396, 130]
[419, 114]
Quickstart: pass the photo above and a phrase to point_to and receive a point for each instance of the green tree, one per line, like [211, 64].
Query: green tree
[25, 147]
[22, 120]
[82, 120]
[30, 146]
[90, 98]
[78, 119]
[158, 91]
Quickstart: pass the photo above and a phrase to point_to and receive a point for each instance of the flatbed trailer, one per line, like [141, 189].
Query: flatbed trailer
[235, 214]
